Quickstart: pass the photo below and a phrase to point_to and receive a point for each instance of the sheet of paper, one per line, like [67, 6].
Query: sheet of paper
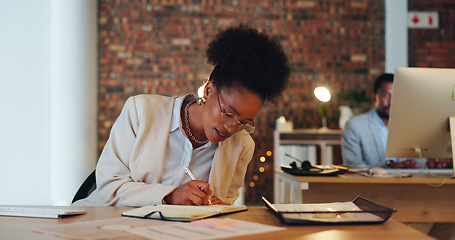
[307, 207]
[214, 222]
[334, 218]
[188, 231]
[98, 229]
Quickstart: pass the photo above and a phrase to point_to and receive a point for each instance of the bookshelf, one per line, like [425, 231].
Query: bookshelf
[319, 146]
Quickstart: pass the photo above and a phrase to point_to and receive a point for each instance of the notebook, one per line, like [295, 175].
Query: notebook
[182, 213]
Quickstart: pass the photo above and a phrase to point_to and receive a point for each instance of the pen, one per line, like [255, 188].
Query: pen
[187, 170]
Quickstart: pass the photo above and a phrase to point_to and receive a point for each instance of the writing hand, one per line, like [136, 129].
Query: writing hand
[192, 193]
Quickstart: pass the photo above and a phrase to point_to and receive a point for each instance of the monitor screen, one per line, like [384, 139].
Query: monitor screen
[422, 101]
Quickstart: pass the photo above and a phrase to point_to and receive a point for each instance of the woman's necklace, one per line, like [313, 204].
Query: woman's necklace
[187, 126]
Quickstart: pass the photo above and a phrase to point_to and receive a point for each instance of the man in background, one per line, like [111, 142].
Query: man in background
[365, 141]
[365, 136]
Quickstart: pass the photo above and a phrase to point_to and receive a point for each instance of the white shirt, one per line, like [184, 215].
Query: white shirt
[132, 164]
[384, 130]
[180, 153]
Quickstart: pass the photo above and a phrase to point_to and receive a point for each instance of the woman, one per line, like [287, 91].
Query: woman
[156, 138]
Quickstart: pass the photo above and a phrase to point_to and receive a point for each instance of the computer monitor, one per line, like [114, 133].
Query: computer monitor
[423, 100]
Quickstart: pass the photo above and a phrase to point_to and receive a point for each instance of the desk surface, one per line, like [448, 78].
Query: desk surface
[21, 228]
[420, 198]
[357, 178]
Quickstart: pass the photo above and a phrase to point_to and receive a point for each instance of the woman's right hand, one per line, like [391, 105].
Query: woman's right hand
[192, 193]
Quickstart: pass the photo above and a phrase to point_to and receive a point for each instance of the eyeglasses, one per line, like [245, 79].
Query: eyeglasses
[383, 94]
[231, 120]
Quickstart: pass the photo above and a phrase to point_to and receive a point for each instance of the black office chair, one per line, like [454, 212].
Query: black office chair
[87, 187]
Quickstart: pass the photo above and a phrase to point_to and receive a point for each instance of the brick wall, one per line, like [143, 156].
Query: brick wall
[433, 47]
[151, 46]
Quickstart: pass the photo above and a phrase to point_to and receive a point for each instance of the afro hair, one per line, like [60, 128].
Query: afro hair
[244, 56]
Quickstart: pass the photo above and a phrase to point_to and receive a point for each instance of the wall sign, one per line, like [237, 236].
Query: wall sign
[423, 19]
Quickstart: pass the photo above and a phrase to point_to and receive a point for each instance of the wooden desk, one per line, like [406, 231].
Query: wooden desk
[420, 198]
[21, 228]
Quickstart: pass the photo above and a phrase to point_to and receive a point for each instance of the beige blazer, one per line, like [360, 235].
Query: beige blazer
[130, 167]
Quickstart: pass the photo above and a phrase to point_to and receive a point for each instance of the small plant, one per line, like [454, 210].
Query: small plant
[358, 101]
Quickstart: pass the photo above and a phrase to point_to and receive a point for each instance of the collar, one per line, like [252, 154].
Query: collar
[378, 119]
[176, 121]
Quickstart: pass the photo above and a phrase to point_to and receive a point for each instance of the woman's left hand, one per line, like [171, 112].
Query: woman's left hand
[217, 201]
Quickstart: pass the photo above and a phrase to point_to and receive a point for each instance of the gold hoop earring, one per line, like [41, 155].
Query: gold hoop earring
[201, 100]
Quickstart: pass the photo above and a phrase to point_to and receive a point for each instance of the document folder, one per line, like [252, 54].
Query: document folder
[359, 211]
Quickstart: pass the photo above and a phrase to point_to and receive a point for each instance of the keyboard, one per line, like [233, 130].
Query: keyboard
[39, 212]
[444, 171]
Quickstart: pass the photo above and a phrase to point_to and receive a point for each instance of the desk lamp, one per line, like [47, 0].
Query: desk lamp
[323, 95]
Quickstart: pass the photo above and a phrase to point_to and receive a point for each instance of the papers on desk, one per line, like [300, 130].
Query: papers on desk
[120, 228]
[179, 231]
[360, 210]
[97, 229]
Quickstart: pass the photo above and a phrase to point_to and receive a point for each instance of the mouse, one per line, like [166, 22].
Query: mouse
[377, 171]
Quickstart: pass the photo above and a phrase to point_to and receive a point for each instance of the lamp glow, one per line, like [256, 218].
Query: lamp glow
[322, 94]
